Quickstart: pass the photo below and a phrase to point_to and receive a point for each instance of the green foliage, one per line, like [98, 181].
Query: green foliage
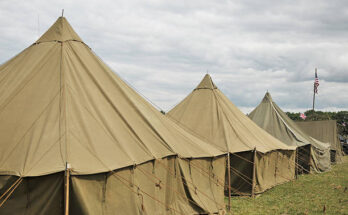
[324, 193]
[341, 117]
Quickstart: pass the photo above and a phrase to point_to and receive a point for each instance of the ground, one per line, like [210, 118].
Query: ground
[324, 193]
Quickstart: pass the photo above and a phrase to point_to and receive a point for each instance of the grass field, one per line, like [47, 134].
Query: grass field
[325, 193]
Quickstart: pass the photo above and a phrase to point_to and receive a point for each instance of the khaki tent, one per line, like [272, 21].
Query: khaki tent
[312, 154]
[325, 131]
[258, 161]
[66, 118]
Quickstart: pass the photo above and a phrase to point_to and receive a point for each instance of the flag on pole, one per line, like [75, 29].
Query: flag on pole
[316, 82]
[303, 116]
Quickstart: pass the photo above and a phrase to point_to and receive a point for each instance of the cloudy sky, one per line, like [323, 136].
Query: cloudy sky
[164, 48]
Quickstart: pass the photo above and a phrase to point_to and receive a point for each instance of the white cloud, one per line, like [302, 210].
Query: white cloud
[163, 48]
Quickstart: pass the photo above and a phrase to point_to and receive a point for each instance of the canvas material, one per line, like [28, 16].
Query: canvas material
[324, 131]
[59, 104]
[210, 115]
[270, 117]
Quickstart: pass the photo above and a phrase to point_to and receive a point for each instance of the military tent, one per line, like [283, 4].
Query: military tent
[76, 138]
[325, 131]
[313, 155]
[258, 161]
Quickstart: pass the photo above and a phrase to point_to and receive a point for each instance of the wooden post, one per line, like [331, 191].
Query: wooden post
[313, 99]
[67, 187]
[229, 180]
[296, 163]
[310, 163]
[254, 175]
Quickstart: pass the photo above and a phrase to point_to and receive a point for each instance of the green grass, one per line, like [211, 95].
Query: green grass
[307, 195]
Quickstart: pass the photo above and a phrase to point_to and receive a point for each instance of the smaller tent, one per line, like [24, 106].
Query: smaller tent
[325, 131]
[258, 161]
[313, 155]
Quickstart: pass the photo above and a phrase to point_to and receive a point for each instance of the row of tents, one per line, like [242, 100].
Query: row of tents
[75, 138]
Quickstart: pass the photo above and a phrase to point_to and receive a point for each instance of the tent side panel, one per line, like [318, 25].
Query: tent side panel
[320, 160]
[286, 168]
[325, 131]
[204, 180]
[154, 187]
[273, 168]
[34, 195]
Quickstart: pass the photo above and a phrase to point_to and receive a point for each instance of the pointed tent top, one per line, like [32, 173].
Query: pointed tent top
[206, 83]
[267, 98]
[61, 30]
[211, 115]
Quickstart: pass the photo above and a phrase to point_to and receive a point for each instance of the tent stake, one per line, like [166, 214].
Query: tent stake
[229, 181]
[254, 174]
[67, 186]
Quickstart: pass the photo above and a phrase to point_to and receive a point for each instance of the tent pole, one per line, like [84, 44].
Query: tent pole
[67, 187]
[296, 164]
[314, 91]
[313, 99]
[229, 181]
[254, 174]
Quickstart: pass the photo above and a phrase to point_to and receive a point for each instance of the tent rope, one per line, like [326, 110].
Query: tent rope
[10, 187]
[228, 186]
[10, 193]
[195, 188]
[235, 154]
[217, 181]
[127, 180]
[130, 85]
[242, 176]
[139, 189]
[203, 170]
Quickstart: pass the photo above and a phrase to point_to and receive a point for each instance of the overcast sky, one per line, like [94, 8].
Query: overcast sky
[164, 48]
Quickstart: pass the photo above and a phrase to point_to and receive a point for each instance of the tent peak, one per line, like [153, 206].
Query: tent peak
[60, 31]
[267, 97]
[206, 83]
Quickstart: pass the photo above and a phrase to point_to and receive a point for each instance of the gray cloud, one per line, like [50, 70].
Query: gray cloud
[163, 48]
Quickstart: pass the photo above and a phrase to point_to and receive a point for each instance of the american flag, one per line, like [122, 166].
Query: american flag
[316, 82]
[303, 116]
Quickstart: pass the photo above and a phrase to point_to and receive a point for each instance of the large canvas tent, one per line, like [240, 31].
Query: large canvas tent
[324, 131]
[258, 161]
[70, 125]
[313, 155]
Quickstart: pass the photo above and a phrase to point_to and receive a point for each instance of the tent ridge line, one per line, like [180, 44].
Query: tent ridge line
[108, 133]
[132, 102]
[12, 96]
[231, 124]
[100, 124]
[287, 126]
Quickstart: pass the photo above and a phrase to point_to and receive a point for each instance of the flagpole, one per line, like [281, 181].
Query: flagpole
[314, 92]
